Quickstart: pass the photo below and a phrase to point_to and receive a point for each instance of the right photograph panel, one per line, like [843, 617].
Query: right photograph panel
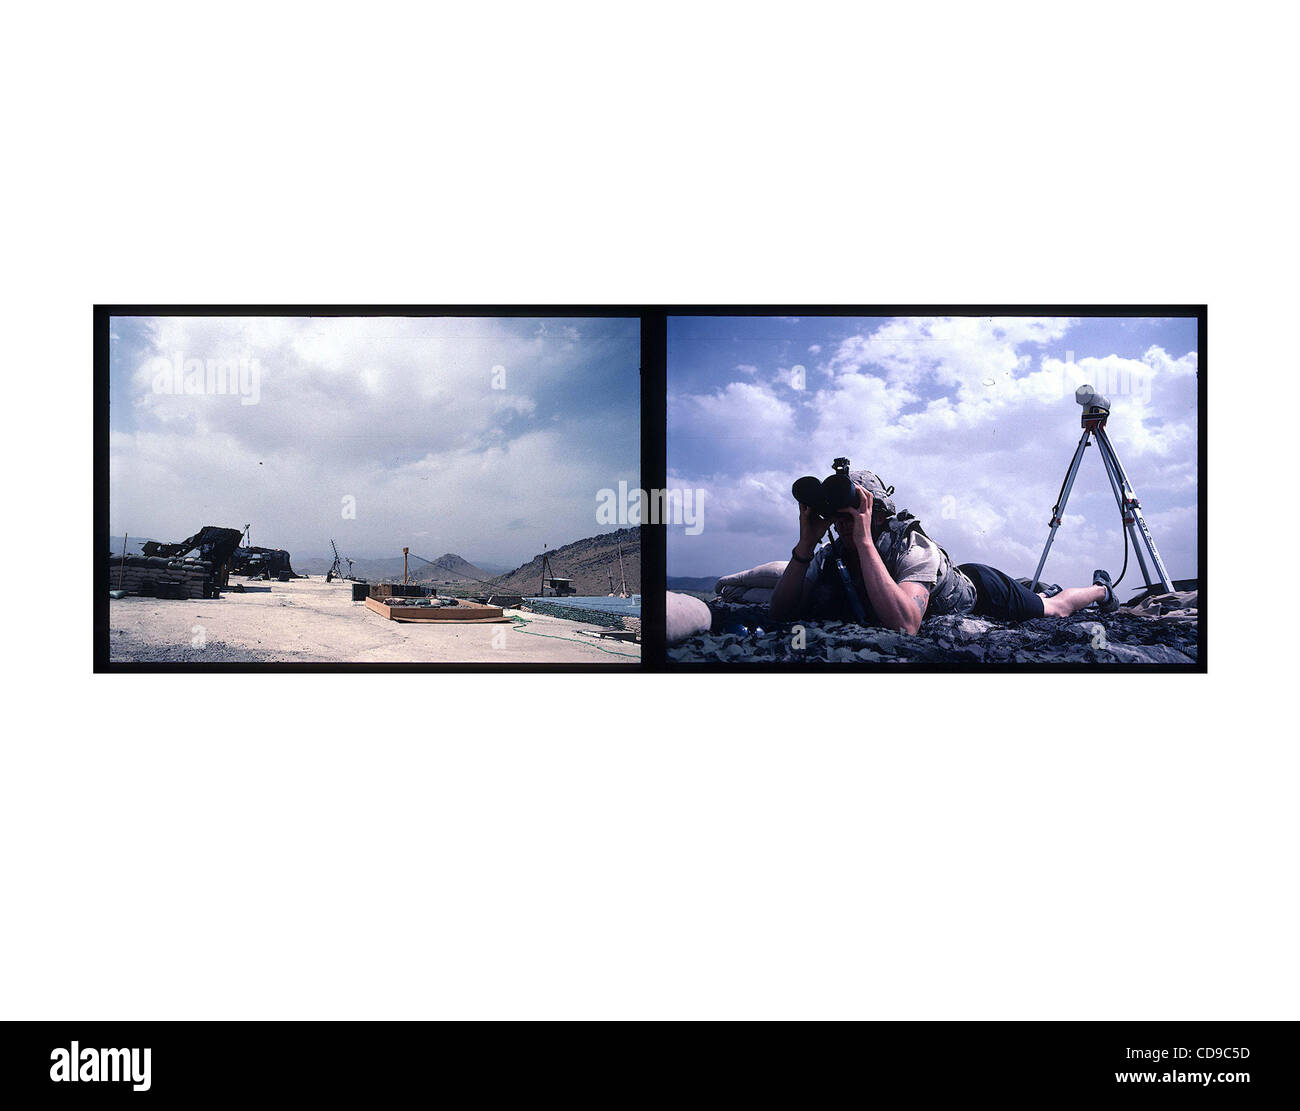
[937, 491]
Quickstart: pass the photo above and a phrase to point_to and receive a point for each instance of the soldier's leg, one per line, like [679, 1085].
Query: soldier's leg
[1071, 600]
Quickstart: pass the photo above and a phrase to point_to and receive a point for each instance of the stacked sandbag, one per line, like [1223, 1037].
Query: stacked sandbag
[753, 587]
[161, 577]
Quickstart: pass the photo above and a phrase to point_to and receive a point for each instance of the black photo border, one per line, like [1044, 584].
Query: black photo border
[652, 560]
[1196, 312]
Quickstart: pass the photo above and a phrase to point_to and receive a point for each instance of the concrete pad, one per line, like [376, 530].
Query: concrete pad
[312, 621]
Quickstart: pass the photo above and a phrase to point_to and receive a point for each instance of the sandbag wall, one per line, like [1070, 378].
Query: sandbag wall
[160, 577]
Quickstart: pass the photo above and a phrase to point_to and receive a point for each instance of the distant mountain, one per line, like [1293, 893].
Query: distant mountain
[683, 582]
[373, 570]
[133, 544]
[448, 567]
[589, 563]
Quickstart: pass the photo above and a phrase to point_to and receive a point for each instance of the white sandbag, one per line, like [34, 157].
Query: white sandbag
[765, 575]
[757, 596]
[686, 616]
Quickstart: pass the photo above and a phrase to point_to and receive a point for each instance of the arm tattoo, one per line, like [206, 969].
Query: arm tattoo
[920, 599]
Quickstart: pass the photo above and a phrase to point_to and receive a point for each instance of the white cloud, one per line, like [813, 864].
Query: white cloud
[401, 414]
[971, 354]
[976, 429]
[748, 416]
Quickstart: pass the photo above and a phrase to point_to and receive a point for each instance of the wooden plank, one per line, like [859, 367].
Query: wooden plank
[462, 611]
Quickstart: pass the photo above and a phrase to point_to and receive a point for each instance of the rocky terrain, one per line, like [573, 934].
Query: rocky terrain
[447, 567]
[129, 646]
[589, 563]
[1158, 632]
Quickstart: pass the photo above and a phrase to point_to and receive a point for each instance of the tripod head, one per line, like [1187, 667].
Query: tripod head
[1096, 407]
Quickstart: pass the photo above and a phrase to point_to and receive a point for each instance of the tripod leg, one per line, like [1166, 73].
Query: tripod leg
[1126, 518]
[1134, 517]
[1058, 510]
[1142, 563]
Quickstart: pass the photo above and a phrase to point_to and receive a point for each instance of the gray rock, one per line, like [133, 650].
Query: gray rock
[1086, 638]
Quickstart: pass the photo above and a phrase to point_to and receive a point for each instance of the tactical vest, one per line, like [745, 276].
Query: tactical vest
[952, 591]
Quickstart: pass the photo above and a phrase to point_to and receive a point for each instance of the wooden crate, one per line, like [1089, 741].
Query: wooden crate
[461, 612]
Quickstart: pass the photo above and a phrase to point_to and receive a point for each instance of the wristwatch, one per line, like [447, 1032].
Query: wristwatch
[794, 554]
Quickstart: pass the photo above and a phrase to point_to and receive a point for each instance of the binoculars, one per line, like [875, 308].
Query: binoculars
[828, 496]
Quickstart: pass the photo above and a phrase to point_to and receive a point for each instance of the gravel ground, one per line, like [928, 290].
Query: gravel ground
[1085, 638]
[128, 647]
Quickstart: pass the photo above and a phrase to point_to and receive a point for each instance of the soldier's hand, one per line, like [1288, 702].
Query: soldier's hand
[812, 528]
[857, 522]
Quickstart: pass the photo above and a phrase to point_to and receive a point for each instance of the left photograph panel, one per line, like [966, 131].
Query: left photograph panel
[324, 488]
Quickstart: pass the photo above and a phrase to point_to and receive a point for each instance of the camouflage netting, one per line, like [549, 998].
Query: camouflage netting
[1127, 636]
[259, 561]
[215, 545]
[574, 613]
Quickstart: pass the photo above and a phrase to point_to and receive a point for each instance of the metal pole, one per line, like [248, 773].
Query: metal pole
[121, 567]
[1126, 518]
[1134, 516]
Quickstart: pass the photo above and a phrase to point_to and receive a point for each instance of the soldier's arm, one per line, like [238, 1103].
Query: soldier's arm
[898, 606]
[790, 598]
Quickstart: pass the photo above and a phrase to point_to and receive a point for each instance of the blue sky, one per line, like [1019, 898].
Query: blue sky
[488, 437]
[972, 419]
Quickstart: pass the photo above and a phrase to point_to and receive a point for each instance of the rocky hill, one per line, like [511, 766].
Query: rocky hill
[589, 563]
[447, 567]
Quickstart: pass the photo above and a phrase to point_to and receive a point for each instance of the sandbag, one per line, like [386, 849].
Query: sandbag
[685, 617]
[765, 575]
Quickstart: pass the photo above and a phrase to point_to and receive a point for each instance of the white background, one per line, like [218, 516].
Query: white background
[624, 846]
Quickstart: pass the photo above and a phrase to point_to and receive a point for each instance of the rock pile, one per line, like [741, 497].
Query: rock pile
[1162, 630]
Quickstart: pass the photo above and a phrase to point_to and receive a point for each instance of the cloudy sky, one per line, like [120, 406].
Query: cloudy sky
[972, 419]
[484, 437]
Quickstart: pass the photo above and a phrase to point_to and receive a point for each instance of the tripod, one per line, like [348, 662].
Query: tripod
[1094, 423]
